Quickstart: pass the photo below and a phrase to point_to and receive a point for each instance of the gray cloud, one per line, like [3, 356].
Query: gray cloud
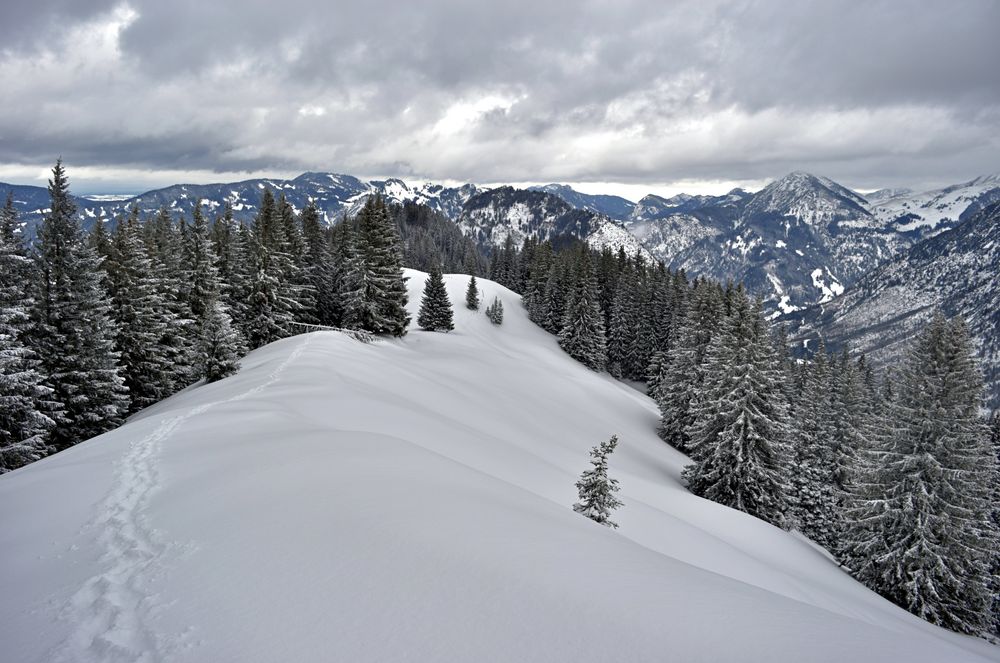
[871, 93]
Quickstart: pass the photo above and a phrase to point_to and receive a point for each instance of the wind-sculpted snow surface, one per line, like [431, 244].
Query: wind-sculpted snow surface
[411, 500]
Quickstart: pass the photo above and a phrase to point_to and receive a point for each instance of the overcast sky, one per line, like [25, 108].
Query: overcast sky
[617, 96]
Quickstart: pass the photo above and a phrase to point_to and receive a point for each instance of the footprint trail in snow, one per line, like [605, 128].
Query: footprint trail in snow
[109, 613]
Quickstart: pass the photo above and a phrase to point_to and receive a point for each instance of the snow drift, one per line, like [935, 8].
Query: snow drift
[410, 500]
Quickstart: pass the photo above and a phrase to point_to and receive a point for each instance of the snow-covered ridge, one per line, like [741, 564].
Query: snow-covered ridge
[929, 212]
[410, 499]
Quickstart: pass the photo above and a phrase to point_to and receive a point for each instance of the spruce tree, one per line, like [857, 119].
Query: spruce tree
[685, 372]
[318, 271]
[622, 327]
[271, 299]
[582, 333]
[494, 312]
[472, 295]
[73, 334]
[815, 498]
[142, 318]
[597, 490]
[25, 403]
[923, 531]
[435, 307]
[382, 305]
[201, 275]
[348, 275]
[739, 429]
[220, 345]
[994, 427]
[165, 247]
[267, 315]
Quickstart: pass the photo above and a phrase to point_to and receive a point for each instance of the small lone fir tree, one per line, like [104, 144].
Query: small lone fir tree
[597, 490]
[495, 311]
[472, 295]
[435, 307]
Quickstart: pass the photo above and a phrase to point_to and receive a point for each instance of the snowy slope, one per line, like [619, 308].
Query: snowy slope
[933, 211]
[410, 500]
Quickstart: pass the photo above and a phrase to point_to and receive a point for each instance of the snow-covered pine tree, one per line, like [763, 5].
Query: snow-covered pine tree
[472, 294]
[850, 422]
[435, 307]
[317, 269]
[142, 318]
[622, 326]
[25, 403]
[267, 315]
[538, 276]
[201, 275]
[164, 245]
[924, 536]
[815, 503]
[684, 372]
[739, 429]
[225, 242]
[347, 276]
[220, 345]
[494, 312]
[597, 490]
[994, 428]
[296, 287]
[73, 334]
[270, 300]
[582, 333]
[382, 306]
[553, 308]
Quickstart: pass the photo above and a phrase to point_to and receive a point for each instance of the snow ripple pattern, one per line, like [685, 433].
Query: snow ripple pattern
[109, 613]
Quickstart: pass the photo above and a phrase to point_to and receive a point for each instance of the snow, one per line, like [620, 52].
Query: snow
[410, 500]
[780, 244]
[829, 290]
[109, 197]
[932, 208]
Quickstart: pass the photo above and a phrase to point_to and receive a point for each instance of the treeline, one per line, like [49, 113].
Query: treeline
[896, 478]
[96, 326]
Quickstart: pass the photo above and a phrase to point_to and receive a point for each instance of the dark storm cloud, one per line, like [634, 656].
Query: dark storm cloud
[632, 92]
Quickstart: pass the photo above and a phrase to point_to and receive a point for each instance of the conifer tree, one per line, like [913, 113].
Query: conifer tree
[318, 272]
[738, 434]
[435, 307]
[622, 328]
[164, 245]
[582, 333]
[597, 490]
[994, 428]
[220, 345]
[271, 299]
[142, 318]
[73, 334]
[494, 312]
[267, 314]
[382, 305]
[472, 294]
[924, 536]
[684, 372]
[25, 403]
[815, 503]
[225, 242]
[201, 282]
[347, 276]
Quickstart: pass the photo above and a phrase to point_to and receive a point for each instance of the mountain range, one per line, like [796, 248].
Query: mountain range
[830, 260]
[955, 272]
